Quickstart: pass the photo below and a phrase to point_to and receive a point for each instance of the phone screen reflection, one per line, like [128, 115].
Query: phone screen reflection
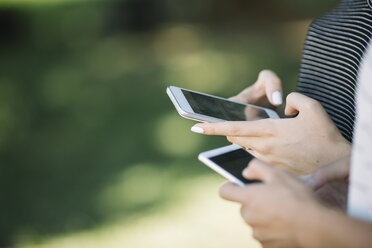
[225, 110]
[235, 162]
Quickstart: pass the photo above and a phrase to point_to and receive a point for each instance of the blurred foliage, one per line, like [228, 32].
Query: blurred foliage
[87, 133]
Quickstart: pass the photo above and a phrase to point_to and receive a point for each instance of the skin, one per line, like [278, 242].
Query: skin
[298, 218]
[331, 182]
[338, 171]
[300, 144]
[260, 93]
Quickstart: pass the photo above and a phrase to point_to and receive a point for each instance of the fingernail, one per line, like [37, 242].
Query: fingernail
[245, 172]
[197, 129]
[277, 98]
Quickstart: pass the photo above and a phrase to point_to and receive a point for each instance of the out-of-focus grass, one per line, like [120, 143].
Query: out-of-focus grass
[195, 217]
[40, 2]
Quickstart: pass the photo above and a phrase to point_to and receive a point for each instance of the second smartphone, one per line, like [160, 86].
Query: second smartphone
[228, 161]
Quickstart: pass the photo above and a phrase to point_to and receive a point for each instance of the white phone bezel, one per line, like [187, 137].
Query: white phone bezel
[206, 156]
[184, 109]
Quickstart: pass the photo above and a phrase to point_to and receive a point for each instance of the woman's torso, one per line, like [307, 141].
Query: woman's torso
[333, 50]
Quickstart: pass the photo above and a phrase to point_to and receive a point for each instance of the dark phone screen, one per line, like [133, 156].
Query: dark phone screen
[225, 110]
[235, 162]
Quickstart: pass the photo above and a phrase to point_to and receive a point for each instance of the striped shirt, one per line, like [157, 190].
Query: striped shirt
[334, 47]
[360, 186]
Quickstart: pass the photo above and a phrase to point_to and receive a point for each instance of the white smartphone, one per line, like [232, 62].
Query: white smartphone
[207, 108]
[228, 161]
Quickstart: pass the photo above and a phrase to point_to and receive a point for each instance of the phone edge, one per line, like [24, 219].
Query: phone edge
[205, 159]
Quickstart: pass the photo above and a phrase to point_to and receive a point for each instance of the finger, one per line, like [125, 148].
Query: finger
[252, 216]
[246, 214]
[272, 85]
[297, 102]
[250, 95]
[260, 171]
[237, 99]
[235, 128]
[248, 143]
[261, 234]
[259, 147]
[244, 195]
[333, 172]
[231, 192]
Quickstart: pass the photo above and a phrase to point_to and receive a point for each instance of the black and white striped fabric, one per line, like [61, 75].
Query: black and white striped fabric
[331, 58]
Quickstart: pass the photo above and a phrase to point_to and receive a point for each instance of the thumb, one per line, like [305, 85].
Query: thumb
[258, 170]
[297, 102]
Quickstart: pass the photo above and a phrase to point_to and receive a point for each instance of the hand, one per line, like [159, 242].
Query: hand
[284, 212]
[338, 171]
[266, 91]
[334, 194]
[331, 184]
[300, 144]
[277, 209]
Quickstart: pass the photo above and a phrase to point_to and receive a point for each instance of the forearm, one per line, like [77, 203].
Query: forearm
[330, 228]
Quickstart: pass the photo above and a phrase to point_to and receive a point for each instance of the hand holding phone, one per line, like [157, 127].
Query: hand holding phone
[207, 108]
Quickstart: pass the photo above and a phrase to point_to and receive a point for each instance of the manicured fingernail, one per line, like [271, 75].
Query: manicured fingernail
[197, 129]
[277, 98]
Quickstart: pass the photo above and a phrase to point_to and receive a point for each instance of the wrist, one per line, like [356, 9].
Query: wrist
[343, 148]
[312, 227]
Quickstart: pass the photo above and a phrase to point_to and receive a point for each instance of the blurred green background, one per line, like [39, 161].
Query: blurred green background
[93, 153]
